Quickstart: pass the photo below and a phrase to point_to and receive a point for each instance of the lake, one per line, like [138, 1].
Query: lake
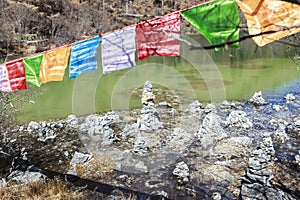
[206, 75]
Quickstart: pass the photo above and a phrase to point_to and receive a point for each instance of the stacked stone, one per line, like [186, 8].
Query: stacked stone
[101, 125]
[181, 172]
[256, 183]
[149, 121]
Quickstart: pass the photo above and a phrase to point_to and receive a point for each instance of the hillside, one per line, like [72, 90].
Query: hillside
[49, 23]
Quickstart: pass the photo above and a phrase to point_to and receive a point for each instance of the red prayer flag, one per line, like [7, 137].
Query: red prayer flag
[14, 77]
[159, 37]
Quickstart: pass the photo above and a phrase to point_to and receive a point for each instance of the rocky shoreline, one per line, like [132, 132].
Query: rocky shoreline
[232, 150]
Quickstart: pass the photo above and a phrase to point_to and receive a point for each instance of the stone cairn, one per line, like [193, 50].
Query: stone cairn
[149, 120]
[256, 183]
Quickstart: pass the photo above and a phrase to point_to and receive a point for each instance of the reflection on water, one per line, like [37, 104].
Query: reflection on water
[250, 69]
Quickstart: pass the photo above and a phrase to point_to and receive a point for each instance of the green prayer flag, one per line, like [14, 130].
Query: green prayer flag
[217, 21]
[32, 70]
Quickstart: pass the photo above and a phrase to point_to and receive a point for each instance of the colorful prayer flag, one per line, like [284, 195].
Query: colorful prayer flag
[32, 70]
[279, 18]
[83, 58]
[54, 64]
[118, 50]
[217, 21]
[13, 77]
[159, 37]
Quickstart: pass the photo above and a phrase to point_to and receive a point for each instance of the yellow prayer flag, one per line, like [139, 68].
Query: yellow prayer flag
[279, 18]
[54, 64]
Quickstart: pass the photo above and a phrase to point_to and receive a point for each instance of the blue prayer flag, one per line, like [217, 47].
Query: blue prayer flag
[83, 57]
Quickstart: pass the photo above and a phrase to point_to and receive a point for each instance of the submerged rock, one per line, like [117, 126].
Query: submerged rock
[257, 99]
[289, 98]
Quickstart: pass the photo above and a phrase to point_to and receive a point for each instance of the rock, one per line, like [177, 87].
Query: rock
[140, 166]
[72, 121]
[46, 134]
[141, 146]
[211, 125]
[297, 158]
[279, 108]
[130, 130]
[147, 95]
[3, 183]
[27, 176]
[33, 126]
[108, 136]
[290, 98]
[179, 139]
[216, 196]
[79, 158]
[257, 99]
[149, 120]
[181, 172]
[164, 104]
[225, 105]
[209, 108]
[256, 183]
[196, 107]
[238, 119]
[94, 124]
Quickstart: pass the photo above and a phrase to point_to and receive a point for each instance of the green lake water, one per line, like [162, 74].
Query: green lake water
[197, 74]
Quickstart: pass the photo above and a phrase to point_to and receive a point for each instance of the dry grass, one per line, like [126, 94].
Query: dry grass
[40, 190]
[96, 169]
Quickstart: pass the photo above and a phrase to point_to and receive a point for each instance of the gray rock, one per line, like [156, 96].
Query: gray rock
[210, 108]
[26, 176]
[211, 125]
[290, 98]
[130, 130]
[33, 126]
[196, 107]
[257, 99]
[181, 172]
[149, 120]
[141, 146]
[108, 136]
[147, 95]
[238, 119]
[72, 121]
[79, 158]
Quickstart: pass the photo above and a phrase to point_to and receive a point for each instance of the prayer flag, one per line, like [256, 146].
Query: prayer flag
[32, 70]
[217, 21]
[1, 75]
[279, 18]
[83, 56]
[118, 50]
[13, 77]
[54, 64]
[159, 37]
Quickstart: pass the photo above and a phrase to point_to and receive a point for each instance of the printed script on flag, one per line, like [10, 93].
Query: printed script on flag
[159, 37]
[83, 58]
[13, 77]
[118, 50]
[32, 70]
[54, 64]
[279, 18]
[217, 21]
